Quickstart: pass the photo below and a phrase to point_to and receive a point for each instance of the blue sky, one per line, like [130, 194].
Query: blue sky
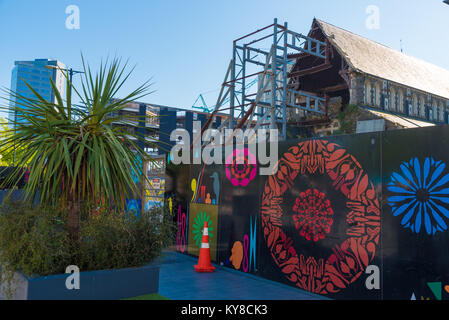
[186, 45]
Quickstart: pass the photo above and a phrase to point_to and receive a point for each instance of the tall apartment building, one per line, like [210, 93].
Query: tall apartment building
[37, 74]
[160, 121]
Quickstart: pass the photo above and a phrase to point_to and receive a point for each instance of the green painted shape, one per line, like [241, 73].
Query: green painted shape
[436, 288]
[198, 226]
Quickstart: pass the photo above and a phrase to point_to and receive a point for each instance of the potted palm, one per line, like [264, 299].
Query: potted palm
[81, 169]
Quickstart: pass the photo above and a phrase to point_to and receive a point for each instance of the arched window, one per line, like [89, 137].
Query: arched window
[422, 107]
[445, 111]
[414, 103]
[393, 100]
[401, 101]
[436, 109]
[367, 98]
[430, 104]
[377, 94]
[410, 105]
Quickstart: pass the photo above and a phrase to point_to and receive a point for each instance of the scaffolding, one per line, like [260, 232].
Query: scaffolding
[266, 56]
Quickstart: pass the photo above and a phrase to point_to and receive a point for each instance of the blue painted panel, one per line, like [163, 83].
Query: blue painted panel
[97, 285]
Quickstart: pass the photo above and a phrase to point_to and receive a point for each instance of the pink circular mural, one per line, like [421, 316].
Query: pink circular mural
[241, 167]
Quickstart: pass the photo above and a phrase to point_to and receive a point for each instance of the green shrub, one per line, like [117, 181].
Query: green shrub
[36, 242]
[33, 240]
[348, 119]
[110, 241]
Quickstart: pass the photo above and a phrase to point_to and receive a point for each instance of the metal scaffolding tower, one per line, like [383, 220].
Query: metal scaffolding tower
[267, 55]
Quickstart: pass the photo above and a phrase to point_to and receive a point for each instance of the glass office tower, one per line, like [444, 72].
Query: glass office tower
[37, 74]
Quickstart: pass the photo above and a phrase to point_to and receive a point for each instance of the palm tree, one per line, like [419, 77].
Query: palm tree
[74, 153]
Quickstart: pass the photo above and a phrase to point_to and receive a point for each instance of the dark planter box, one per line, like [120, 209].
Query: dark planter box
[94, 285]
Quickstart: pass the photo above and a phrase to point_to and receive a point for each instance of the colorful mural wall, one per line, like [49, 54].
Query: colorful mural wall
[347, 217]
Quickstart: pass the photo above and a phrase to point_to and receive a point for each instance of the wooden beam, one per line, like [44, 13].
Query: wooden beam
[345, 75]
[338, 87]
[298, 55]
[305, 72]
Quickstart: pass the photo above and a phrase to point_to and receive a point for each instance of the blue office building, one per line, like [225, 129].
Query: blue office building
[37, 74]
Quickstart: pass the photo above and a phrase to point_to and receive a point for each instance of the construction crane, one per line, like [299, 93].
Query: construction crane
[203, 105]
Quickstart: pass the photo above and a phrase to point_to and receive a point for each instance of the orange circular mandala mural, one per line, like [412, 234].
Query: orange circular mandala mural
[350, 258]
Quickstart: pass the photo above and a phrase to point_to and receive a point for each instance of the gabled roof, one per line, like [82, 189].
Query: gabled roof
[400, 120]
[372, 58]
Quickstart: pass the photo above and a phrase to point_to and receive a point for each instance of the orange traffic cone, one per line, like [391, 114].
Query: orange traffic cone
[204, 264]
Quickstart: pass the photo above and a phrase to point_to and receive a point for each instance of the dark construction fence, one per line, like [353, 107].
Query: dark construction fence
[337, 211]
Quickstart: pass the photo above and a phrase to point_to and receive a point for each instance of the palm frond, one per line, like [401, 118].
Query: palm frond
[76, 151]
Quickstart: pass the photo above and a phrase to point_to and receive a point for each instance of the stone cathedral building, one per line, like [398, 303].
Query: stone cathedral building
[392, 88]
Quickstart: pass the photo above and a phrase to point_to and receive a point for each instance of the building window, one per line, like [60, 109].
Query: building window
[422, 107]
[393, 99]
[396, 100]
[367, 92]
[429, 108]
[433, 106]
[410, 107]
[370, 93]
[446, 113]
[377, 95]
[415, 104]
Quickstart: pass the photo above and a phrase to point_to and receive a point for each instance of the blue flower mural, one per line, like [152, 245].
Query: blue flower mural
[420, 195]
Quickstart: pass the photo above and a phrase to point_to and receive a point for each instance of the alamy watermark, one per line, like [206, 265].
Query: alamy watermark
[73, 281]
[372, 282]
[372, 21]
[258, 143]
[72, 22]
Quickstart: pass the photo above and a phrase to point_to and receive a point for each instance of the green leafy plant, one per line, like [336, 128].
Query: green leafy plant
[8, 159]
[347, 118]
[32, 242]
[113, 241]
[74, 153]
[35, 241]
